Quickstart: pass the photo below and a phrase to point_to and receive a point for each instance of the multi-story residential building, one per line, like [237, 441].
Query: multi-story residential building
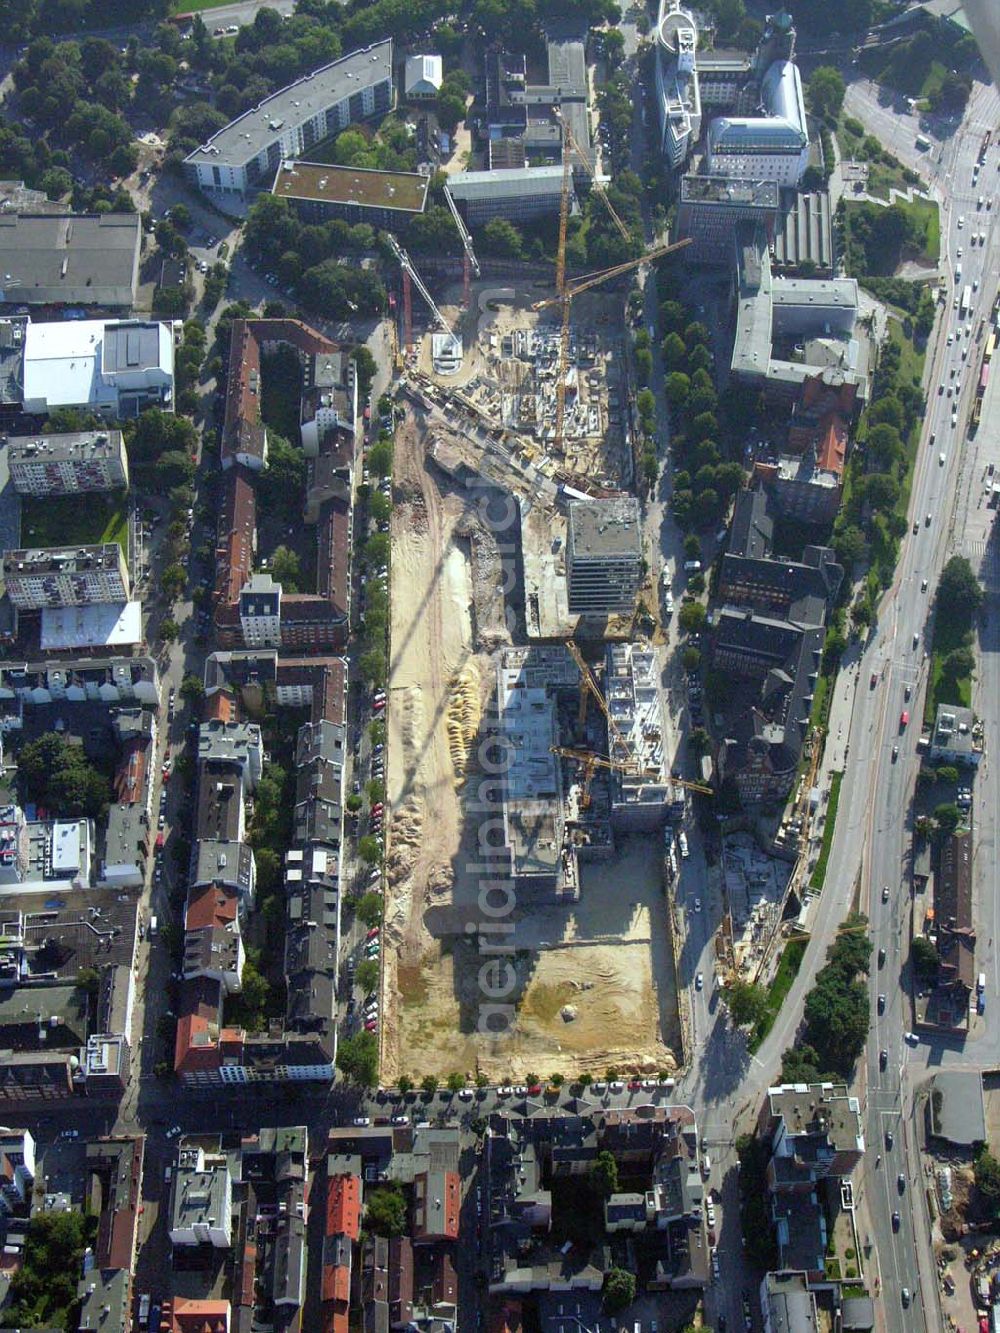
[957, 736]
[603, 556]
[317, 192]
[814, 1132]
[59, 576]
[201, 1200]
[68, 464]
[245, 154]
[260, 612]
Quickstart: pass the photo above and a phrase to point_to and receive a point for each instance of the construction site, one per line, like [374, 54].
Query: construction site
[515, 426]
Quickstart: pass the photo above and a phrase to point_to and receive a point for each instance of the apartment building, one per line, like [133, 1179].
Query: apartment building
[58, 576]
[68, 464]
[245, 154]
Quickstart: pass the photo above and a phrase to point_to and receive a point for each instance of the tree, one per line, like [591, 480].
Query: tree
[357, 1059]
[365, 366]
[404, 1084]
[884, 446]
[55, 773]
[850, 545]
[881, 491]
[947, 818]
[385, 1210]
[353, 803]
[285, 569]
[692, 617]
[925, 958]
[674, 352]
[429, 1084]
[699, 741]
[173, 581]
[677, 389]
[959, 596]
[376, 790]
[455, 1082]
[986, 1170]
[691, 658]
[747, 1003]
[369, 909]
[367, 974]
[604, 1175]
[369, 850]
[826, 91]
[503, 239]
[380, 458]
[619, 1290]
[192, 689]
[371, 667]
[169, 631]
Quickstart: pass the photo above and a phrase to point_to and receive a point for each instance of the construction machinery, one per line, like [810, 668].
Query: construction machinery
[410, 274]
[470, 264]
[591, 762]
[693, 786]
[589, 686]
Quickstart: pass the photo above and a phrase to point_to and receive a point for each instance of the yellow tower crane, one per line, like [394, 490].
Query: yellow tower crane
[591, 762]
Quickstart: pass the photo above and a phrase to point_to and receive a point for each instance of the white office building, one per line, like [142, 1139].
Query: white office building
[773, 146]
[678, 95]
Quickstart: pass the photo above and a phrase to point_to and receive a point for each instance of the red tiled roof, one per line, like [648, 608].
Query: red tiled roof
[242, 431]
[293, 331]
[343, 1206]
[197, 1044]
[210, 905]
[130, 772]
[186, 1316]
[831, 451]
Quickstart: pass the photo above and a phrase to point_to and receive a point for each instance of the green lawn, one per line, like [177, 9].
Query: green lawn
[73, 520]
[924, 214]
[819, 872]
[191, 6]
[788, 969]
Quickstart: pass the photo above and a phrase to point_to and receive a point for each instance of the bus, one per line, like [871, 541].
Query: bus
[923, 143]
[966, 303]
[991, 346]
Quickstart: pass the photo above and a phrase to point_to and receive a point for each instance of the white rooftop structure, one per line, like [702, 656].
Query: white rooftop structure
[678, 95]
[115, 367]
[423, 76]
[102, 625]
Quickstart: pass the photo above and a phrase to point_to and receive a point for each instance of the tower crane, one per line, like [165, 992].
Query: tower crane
[410, 273]
[591, 762]
[470, 264]
[564, 295]
[589, 685]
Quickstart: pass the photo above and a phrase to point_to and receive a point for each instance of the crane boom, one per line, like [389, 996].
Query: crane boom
[599, 761]
[407, 266]
[614, 272]
[463, 232]
[598, 186]
[589, 682]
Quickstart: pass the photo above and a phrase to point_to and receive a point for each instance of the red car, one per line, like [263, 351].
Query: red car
[874, 679]
[634, 1085]
[372, 934]
[904, 719]
[534, 1089]
[378, 808]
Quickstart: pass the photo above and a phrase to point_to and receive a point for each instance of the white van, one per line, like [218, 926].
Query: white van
[154, 926]
[692, 566]
[682, 843]
[981, 983]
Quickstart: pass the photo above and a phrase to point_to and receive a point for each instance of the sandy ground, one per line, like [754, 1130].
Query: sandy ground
[593, 981]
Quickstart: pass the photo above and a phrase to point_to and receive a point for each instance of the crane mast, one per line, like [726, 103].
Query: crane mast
[411, 274]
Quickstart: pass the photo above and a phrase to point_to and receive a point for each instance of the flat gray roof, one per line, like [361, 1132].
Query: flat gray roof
[248, 135]
[509, 182]
[131, 346]
[78, 445]
[605, 528]
[728, 190]
[86, 259]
